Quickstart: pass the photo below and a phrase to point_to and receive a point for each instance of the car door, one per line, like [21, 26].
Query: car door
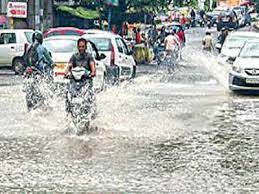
[123, 58]
[100, 68]
[130, 62]
[7, 48]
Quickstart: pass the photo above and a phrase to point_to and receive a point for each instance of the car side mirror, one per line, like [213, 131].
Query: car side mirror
[231, 60]
[101, 57]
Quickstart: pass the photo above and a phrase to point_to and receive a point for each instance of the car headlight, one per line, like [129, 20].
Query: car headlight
[236, 68]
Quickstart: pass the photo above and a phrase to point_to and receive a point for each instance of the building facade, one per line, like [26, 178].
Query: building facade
[39, 14]
[229, 2]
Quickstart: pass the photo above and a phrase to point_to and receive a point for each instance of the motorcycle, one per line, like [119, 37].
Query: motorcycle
[159, 51]
[165, 58]
[33, 86]
[80, 102]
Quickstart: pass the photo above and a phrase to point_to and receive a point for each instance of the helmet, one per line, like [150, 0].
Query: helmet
[37, 35]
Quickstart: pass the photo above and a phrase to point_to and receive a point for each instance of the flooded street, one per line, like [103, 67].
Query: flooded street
[160, 133]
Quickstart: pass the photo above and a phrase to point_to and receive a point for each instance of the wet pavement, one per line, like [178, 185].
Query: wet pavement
[160, 133]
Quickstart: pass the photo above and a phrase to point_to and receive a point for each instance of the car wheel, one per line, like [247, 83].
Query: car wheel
[133, 75]
[18, 66]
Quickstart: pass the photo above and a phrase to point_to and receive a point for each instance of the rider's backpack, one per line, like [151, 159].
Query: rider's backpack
[32, 55]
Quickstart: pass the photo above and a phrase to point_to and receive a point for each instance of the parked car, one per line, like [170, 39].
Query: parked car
[63, 31]
[63, 47]
[13, 44]
[244, 74]
[233, 44]
[119, 61]
[227, 19]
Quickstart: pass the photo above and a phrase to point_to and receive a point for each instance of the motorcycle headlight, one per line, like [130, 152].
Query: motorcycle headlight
[236, 68]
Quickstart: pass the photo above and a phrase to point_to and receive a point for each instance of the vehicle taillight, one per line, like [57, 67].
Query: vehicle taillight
[112, 56]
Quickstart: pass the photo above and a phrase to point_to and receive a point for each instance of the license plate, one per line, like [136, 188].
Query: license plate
[60, 66]
[252, 81]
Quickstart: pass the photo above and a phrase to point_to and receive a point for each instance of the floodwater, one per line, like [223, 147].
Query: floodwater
[160, 133]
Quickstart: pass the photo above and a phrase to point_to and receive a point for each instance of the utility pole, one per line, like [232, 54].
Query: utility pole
[110, 18]
[37, 14]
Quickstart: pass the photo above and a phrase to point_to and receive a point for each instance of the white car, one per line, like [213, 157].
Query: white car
[233, 44]
[244, 74]
[62, 48]
[13, 44]
[119, 61]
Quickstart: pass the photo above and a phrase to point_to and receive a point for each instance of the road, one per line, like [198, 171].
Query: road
[160, 133]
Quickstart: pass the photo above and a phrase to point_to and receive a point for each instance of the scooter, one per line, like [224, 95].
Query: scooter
[33, 86]
[80, 102]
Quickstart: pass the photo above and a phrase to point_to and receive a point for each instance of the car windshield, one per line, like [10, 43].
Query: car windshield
[102, 44]
[29, 36]
[236, 41]
[61, 46]
[250, 50]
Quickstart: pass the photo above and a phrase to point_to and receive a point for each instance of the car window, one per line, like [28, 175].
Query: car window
[236, 41]
[119, 45]
[124, 46]
[250, 50]
[61, 46]
[28, 36]
[70, 32]
[7, 38]
[53, 34]
[102, 44]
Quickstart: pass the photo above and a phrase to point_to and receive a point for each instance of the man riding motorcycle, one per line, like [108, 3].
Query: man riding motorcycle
[38, 71]
[82, 59]
[171, 43]
[81, 87]
[37, 55]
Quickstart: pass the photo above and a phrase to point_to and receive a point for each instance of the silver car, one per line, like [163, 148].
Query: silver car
[244, 74]
[233, 44]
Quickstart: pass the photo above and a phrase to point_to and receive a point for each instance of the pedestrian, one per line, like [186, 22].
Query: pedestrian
[202, 14]
[162, 35]
[223, 35]
[183, 20]
[207, 42]
[138, 36]
[181, 36]
[124, 29]
[114, 29]
[193, 16]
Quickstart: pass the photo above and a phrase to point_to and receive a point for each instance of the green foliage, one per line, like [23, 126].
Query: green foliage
[79, 12]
